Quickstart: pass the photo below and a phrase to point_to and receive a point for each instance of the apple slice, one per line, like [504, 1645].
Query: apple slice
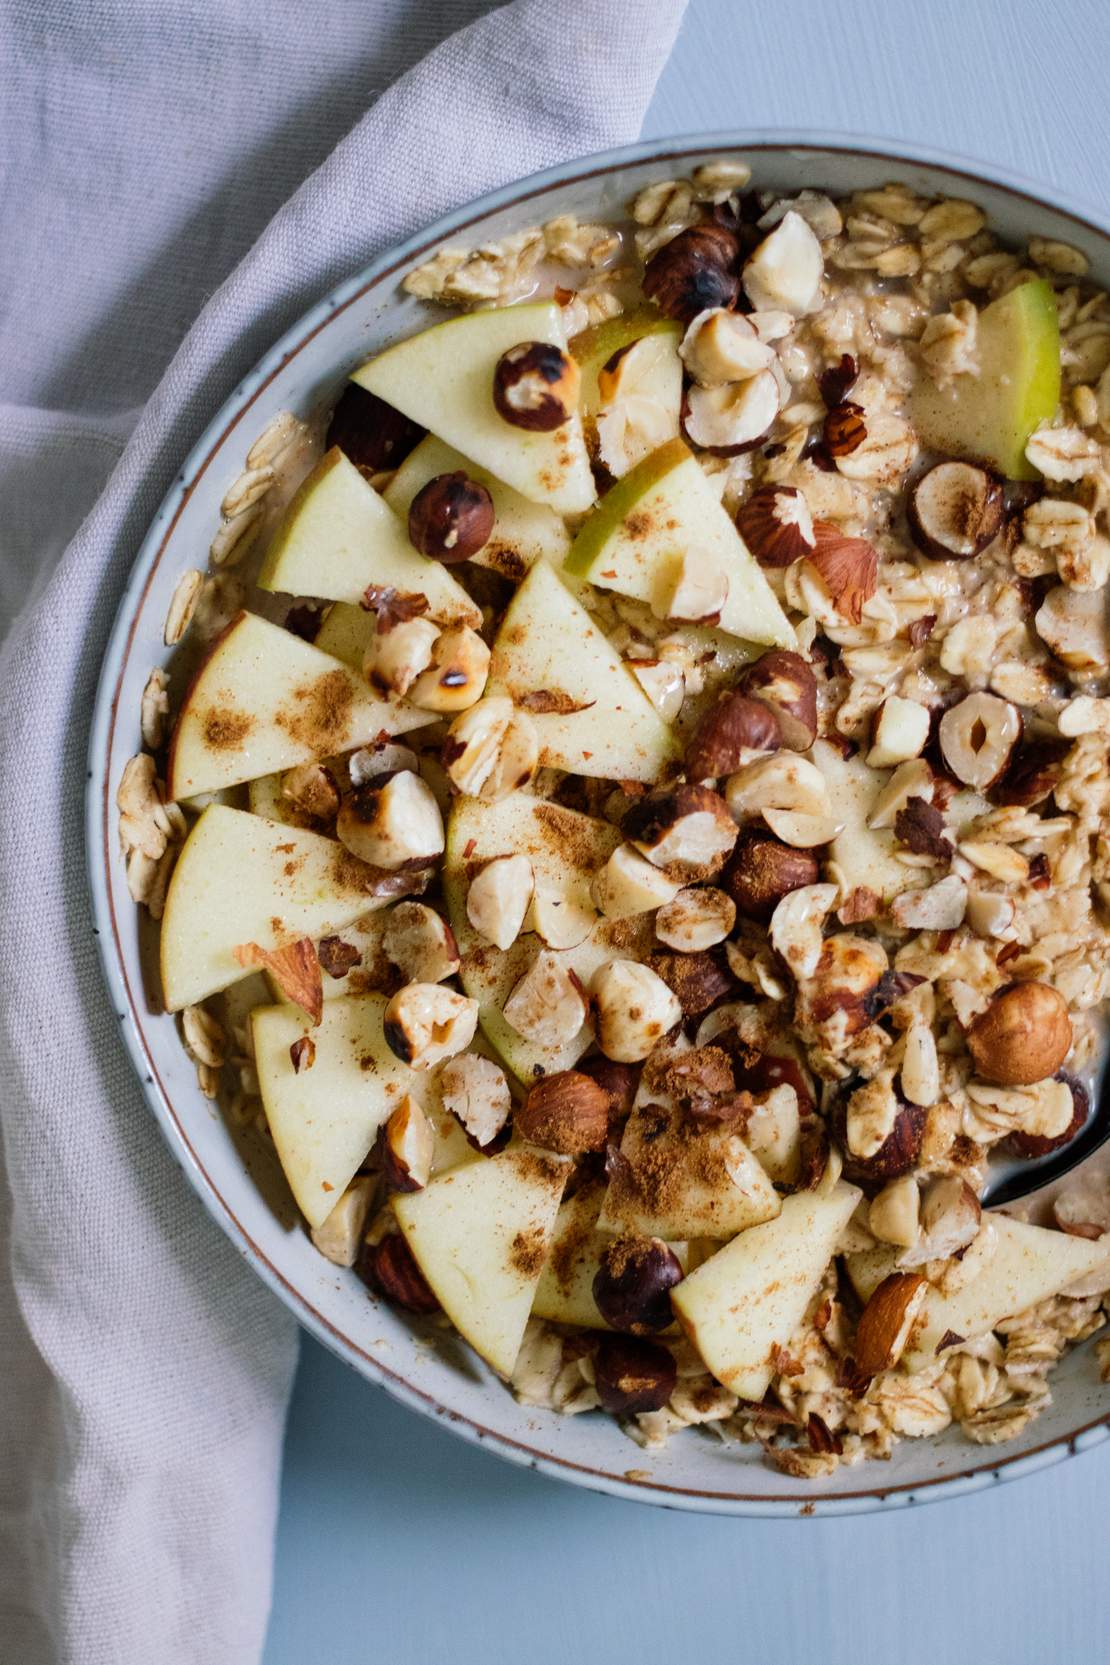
[481, 1235]
[239, 879]
[591, 714]
[593, 348]
[679, 1180]
[1028, 1264]
[264, 700]
[865, 855]
[752, 1295]
[642, 529]
[346, 633]
[988, 418]
[325, 1119]
[565, 848]
[523, 532]
[631, 387]
[338, 535]
[443, 379]
[565, 1293]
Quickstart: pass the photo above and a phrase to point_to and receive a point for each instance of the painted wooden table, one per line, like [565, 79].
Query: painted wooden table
[399, 1543]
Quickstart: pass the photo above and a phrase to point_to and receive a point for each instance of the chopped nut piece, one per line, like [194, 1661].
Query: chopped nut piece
[887, 1321]
[786, 269]
[406, 1145]
[311, 788]
[547, 1006]
[395, 659]
[689, 832]
[796, 926]
[397, 824]
[457, 674]
[901, 731]
[425, 1023]
[340, 1236]
[734, 415]
[635, 1009]
[499, 897]
[492, 749]
[295, 969]
[476, 1091]
[721, 346]
[692, 588]
[940, 907]
[695, 919]
[420, 943]
[894, 1214]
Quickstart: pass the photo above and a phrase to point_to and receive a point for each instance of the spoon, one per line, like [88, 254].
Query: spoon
[1010, 1182]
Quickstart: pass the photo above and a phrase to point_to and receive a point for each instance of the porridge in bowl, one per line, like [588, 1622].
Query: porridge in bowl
[627, 813]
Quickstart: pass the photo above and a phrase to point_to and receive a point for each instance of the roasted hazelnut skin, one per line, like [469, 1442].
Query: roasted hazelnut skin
[762, 870]
[734, 725]
[694, 271]
[451, 518]
[567, 1112]
[696, 980]
[632, 1375]
[785, 683]
[535, 386]
[899, 1152]
[845, 429]
[370, 433]
[769, 1071]
[1031, 773]
[632, 1286]
[1028, 1145]
[618, 1081]
[390, 1268]
[1023, 1036]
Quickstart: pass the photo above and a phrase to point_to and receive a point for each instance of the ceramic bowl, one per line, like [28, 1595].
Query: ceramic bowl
[305, 369]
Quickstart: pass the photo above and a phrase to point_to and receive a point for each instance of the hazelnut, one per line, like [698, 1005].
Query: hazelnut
[696, 919]
[955, 510]
[691, 588]
[339, 1237]
[785, 782]
[1032, 773]
[768, 1070]
[566, 1112]
[844, 429]
[1023, 1036]
[632, 1375]
[395, 824]
[405, 1147]
[547, 1006]
[420, 943]
[894, 1215]
[777, 526]
[425, 1023]
[499, 897]
[635, 1009]
[950, 1217]
[763, 870]
[632, 1286]
[451, 518]
[693, 272]
[491, 749]
[1082, 1209]
[784, 682]
[721, 346]
[687, 832]
[617, 1081]
[898, 1153]
[847, 567]
[1029, 1145]
[310, 788]
[845, 987]
[371, 763]
[475, 1091]
[629, 884]
[900, 733]
[786, 269]
[663, 682]
[457, 674]
[390, 1268]
[887, 1322]
[977, 738]
[395, 658]
[697, 980]
[369, 432]
[535, 386]
[730, 419]
[735, 725]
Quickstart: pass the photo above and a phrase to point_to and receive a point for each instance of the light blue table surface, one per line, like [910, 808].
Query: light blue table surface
[401, 1544]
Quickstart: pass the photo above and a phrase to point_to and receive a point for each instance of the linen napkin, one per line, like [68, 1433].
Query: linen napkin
[144, 1370]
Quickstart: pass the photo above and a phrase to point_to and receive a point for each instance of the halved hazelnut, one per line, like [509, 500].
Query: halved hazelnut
[397, 824]
[897, 1154]
[784, 781]
[491, 749]
[451, 518]
[547, 1005]
[559, 920]
[955, 510]
[1023, 1036]
[476, 1092]
[763, 870]
[632, 1287]
[394, 659]
[895, 1214]
[535, 386]
[951, 1215]
[566, 1112]
[457, 674]
[721, 346]
[735, 725]
[663, 682]
[730, 419]
[977, 738]
[887, 1322]
[784, 681]
[340, 1236]
[405, 1147]
[310, 788]
[499, 897]
[634, 1008]
[696, 919]
[1028, 1145]
[687, 832]
[901, 732]
[425, 1023]
[370, 433]
[420, 943]
[694, 271]
[786, 269]
[629, 884]
[633, 1375]
[777, 526]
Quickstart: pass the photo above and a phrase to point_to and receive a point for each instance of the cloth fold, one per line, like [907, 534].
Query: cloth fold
[144, 1370]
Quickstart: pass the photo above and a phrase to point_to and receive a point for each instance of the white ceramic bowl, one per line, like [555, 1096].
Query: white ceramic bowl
[304, 369]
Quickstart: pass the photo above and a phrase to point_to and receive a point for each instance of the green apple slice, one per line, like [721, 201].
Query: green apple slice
[443, 379]
[346, 633]
[989, 417]
[240, 879]
[523, 532]
[548, 649]
[338, 535]
[866, 856]
[481, 1235]
[264, 700]
[1027, 1266]
[565, 849]
[751, 1296]
[325, 1119]
[594, 347]
[662, 510]
[682, 1181]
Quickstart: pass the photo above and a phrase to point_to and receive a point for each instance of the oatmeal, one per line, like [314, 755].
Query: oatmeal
[635, 841]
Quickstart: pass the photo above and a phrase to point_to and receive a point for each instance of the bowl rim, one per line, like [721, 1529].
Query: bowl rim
[100, 844]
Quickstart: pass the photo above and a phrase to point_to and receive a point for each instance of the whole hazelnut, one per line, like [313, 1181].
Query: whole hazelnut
[566, 1112]
[763, 870]
[694, 271]
[370, 433]
[617, 1081]
[784, 682]
[732, 727]
[390, 1268]
[632, 1375]
[1027, 1145]
[1023, 1036]
[632, 1286]
[535, 386]
[451, 518]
